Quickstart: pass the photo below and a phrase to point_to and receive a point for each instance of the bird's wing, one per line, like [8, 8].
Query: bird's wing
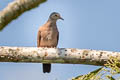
[38, 38]
[57, 37]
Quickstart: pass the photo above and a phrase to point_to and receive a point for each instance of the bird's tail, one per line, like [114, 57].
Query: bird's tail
[46, 68]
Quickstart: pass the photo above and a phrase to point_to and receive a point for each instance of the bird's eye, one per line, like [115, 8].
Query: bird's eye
[55, 15]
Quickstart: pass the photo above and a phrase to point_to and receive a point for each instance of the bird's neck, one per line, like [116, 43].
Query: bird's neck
[52, 21]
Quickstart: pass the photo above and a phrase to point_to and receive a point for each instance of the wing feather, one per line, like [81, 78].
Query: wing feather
[38, 38]
[57, 38]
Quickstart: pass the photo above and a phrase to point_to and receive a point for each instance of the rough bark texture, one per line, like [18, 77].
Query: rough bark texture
[15, 9]
[55, 55]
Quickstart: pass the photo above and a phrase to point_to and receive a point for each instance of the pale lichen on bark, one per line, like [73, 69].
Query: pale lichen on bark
[55, 55]
[15, 9]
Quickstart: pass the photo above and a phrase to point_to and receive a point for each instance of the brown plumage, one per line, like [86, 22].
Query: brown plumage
[48, 36]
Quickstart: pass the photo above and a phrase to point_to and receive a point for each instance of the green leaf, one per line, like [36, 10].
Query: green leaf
[90, 76]
[110, 77]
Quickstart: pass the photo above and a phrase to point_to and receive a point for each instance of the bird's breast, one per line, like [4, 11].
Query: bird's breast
[49, 38]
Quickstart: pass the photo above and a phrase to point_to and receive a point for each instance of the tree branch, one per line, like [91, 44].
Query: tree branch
[15, 9]
[55, 55]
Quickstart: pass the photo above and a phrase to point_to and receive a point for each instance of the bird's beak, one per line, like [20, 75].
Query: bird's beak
[61, 18]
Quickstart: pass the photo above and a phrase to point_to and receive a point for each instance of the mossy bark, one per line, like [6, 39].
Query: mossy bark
[55, 55]
[15, 9]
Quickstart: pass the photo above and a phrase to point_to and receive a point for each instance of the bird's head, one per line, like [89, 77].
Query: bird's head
[55, 16]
